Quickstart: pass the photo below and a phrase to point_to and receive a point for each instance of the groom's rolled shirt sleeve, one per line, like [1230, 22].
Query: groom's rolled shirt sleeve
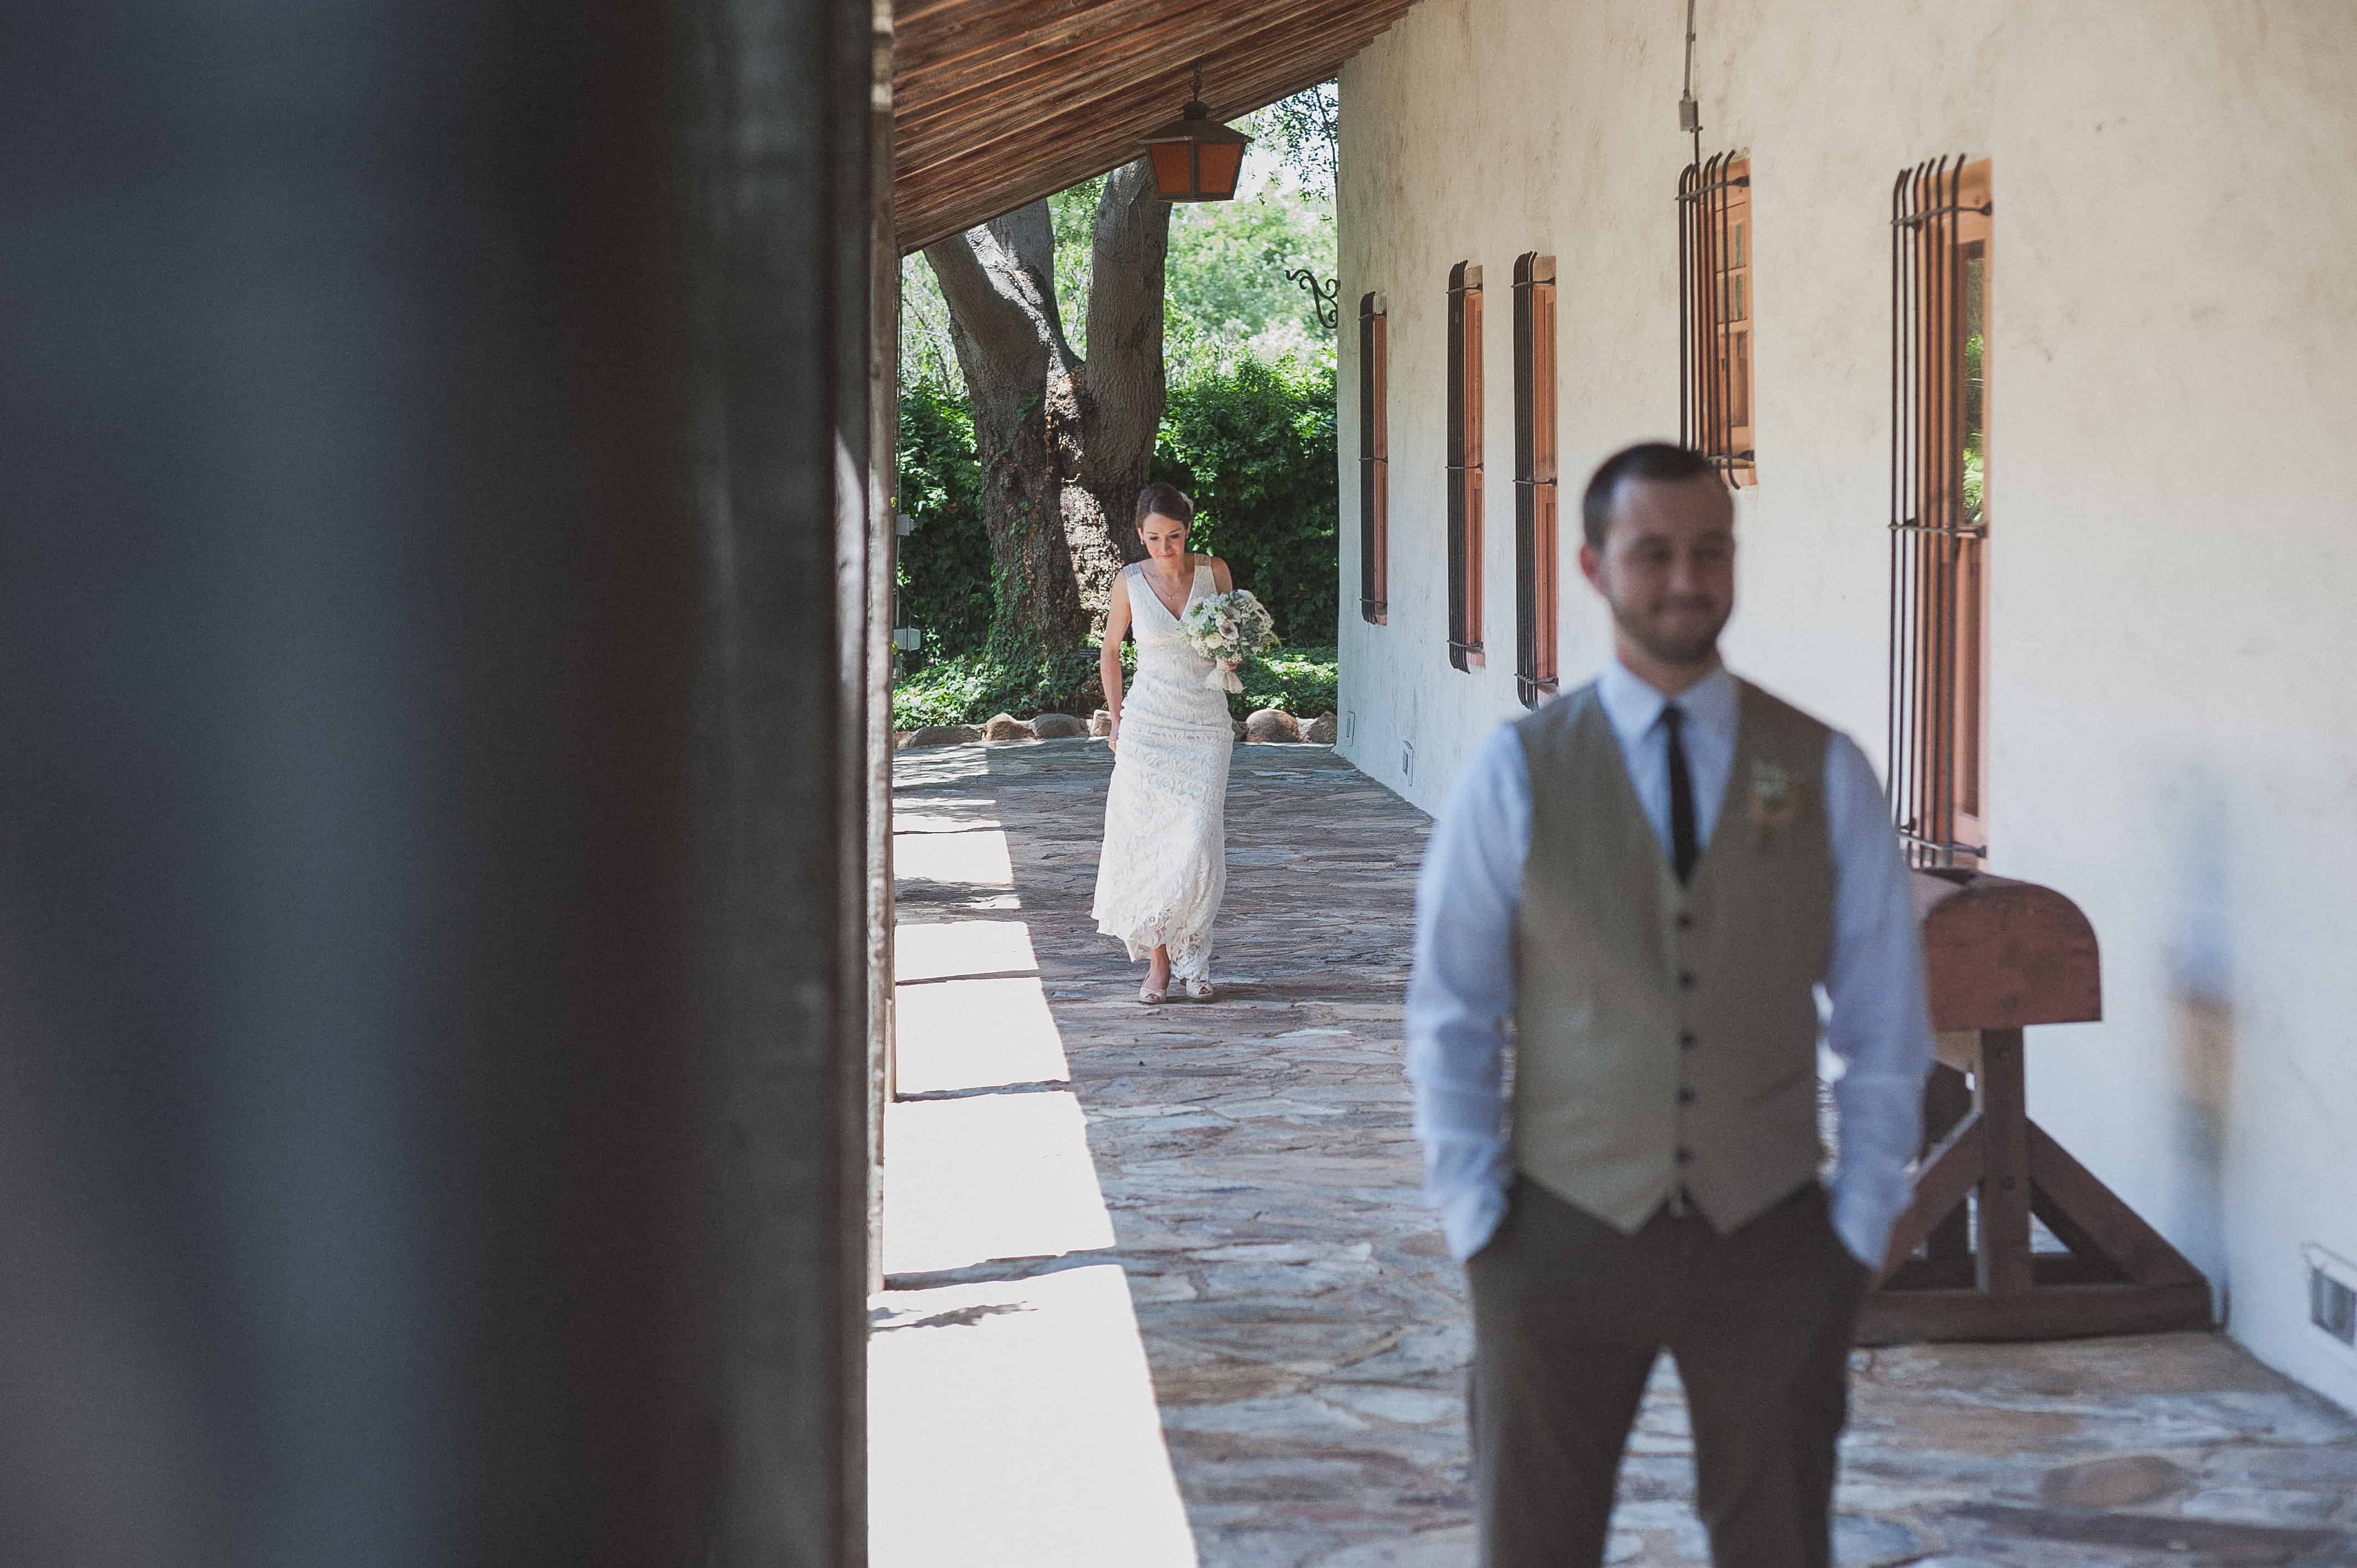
[1468, 897]
[1880, 1027]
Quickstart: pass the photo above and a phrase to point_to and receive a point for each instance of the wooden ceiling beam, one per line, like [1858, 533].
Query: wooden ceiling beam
[925, 48]
[1066, 69]
[1084, 142]
[1116, 61]
[1113, 125]
[964, 208]
[1057, 152]
[1001, 101]
[1130, 93]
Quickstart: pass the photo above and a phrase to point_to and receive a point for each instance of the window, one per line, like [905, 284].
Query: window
[1374, 460]
[1535, 578]
[1465, 465]
[1940, 256]
[1714, 314]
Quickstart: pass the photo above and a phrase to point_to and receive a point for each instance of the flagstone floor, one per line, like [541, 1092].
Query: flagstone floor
[1158, 1289]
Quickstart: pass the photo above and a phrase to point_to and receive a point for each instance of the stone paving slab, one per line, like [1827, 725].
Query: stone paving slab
[1307, 1332]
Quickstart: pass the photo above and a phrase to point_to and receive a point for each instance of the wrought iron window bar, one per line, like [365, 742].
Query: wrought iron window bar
[1935, 543]
[1708, 257]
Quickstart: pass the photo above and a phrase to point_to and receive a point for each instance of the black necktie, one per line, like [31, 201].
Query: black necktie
[1682, 819]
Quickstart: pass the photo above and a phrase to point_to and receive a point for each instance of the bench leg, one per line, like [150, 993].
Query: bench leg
[2002, 1097]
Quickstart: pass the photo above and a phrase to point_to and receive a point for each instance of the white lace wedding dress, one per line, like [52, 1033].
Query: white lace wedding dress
[1164, 867]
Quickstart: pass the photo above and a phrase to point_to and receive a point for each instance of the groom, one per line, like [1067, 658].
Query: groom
[1650, 876]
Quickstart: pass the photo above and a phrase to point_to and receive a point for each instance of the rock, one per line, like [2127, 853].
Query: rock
[1864, 1541]
[1271, 723]
[1321, 730]
[1005, 727]
[942, 734]
[901, 737]
[1058, 726]
[1239, 724]
[1100, 723]
[2130, 1480]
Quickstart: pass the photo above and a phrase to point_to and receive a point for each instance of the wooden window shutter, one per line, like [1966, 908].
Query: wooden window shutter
[1465, 478]
[1374, 460]
[1536, 579]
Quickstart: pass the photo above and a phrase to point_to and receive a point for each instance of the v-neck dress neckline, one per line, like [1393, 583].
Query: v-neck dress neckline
[1194, 581]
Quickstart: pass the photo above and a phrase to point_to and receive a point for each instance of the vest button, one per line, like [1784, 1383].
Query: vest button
[1685, 980]
[1685, 1156]
[1687, 1042]
[1686, 1096]
[1685, 922]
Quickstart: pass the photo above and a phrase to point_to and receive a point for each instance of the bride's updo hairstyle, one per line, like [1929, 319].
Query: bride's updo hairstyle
[1166, 499]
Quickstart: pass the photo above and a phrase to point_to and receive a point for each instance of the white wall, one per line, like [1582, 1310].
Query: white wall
[2172, 489]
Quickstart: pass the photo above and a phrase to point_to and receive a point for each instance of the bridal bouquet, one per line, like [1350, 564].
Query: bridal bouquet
[1227, 628]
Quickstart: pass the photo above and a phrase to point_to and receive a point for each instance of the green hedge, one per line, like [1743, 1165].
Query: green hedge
[1252, 440]
[965, 689]
[1300, 680]
[944, 566]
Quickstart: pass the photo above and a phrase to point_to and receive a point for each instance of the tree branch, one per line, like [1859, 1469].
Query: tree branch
[999, 279]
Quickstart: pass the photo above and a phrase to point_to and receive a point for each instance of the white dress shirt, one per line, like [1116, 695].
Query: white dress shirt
[1468, 899]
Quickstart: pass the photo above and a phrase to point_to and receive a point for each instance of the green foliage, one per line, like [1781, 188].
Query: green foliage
[1253, 442]
[1073, 215]
[944, 576]
[966, 689]
[1304, 131]
[1225, 292]
[1300, 680]
[1249, 429]
[928, 352]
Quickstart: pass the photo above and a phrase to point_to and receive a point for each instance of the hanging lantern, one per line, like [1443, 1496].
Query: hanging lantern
[1196, 158]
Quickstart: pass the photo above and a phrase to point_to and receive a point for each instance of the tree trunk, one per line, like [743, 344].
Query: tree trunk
[999, 280]
[1122, 387]
[1064, 444]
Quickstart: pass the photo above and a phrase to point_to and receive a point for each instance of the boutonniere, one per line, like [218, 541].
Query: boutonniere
[1775, 803]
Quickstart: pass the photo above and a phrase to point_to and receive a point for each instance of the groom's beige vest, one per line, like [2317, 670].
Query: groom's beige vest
[1666, 1036]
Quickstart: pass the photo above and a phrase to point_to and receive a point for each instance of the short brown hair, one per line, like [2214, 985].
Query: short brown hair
[1647, 460]
[1166, 499]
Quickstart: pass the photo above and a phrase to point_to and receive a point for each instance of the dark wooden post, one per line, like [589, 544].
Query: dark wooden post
[433, 461]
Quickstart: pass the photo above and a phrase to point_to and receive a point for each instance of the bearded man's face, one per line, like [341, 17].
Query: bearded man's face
[1667, 567]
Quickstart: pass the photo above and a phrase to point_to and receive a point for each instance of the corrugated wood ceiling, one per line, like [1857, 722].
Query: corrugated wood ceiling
[997, 103]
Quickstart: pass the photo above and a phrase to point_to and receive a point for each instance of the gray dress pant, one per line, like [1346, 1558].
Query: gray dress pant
[1568, 1314]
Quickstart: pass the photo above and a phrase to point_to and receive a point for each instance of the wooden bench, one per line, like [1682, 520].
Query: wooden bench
[2000, 956]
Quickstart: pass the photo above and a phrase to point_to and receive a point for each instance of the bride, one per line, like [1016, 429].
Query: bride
[1164, 866]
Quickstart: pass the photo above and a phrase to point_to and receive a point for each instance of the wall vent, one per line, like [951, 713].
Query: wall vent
[2331, 1294]
[1408, 762]
[1350, 726]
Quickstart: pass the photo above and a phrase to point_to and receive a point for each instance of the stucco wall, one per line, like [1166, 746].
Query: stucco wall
[2172, 489]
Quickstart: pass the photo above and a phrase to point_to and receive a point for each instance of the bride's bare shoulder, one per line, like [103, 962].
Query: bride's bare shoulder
[1221, 578]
